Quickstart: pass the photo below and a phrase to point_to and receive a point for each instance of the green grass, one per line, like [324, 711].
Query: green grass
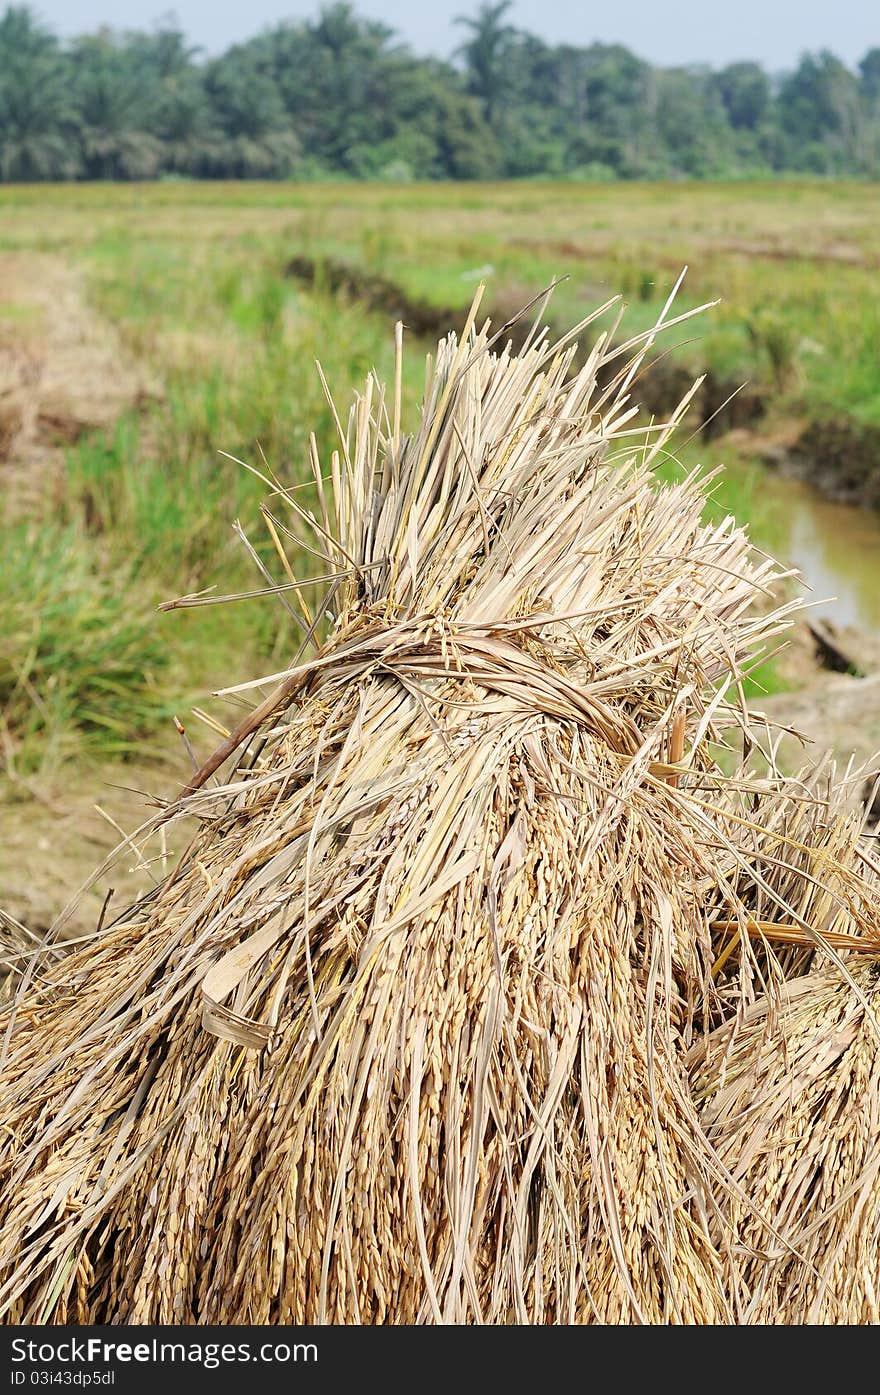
[81, 665]
[192, 277]
[794, 264]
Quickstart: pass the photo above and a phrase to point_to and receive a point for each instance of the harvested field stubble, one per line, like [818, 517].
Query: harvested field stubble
[410, 1032]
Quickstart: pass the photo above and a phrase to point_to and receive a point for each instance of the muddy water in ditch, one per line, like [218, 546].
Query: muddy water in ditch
[836, 548]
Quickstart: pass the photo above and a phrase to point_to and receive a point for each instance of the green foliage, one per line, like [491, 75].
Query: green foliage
[36, 111]
[775, 338]
[486, 54]
[81, 662]
[746, 93]
[339, 95]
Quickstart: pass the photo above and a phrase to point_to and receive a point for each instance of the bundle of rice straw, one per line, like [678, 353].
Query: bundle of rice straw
[404, 1037]
[791, 1100]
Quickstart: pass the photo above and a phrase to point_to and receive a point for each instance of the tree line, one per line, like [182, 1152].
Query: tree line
[341, 96]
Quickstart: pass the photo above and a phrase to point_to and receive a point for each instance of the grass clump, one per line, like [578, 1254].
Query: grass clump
[82, 663]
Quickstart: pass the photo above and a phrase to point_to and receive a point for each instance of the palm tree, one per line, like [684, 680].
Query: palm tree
[113, 99]
[485, 54]
[37, 117]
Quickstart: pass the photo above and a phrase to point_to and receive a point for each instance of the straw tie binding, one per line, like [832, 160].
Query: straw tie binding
[480, 656]
[423, 649]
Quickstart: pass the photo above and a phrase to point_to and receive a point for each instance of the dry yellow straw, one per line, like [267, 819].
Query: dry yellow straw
[404, 1037]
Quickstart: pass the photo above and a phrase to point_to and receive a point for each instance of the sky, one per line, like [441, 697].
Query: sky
[775, 32]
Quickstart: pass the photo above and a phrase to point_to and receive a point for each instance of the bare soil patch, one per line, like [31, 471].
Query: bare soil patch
[52, 838]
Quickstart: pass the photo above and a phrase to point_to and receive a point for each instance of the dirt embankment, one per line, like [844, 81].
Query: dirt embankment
[834, 705]
[719, 405]
[839, 457]
[836, 713]
[842, 458]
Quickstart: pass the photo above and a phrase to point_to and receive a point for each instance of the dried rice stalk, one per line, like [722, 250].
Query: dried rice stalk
[20, 945]
[403, 1037]
[791, 1101]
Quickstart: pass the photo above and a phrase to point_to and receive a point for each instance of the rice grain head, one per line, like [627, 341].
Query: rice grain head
[791, 1100]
